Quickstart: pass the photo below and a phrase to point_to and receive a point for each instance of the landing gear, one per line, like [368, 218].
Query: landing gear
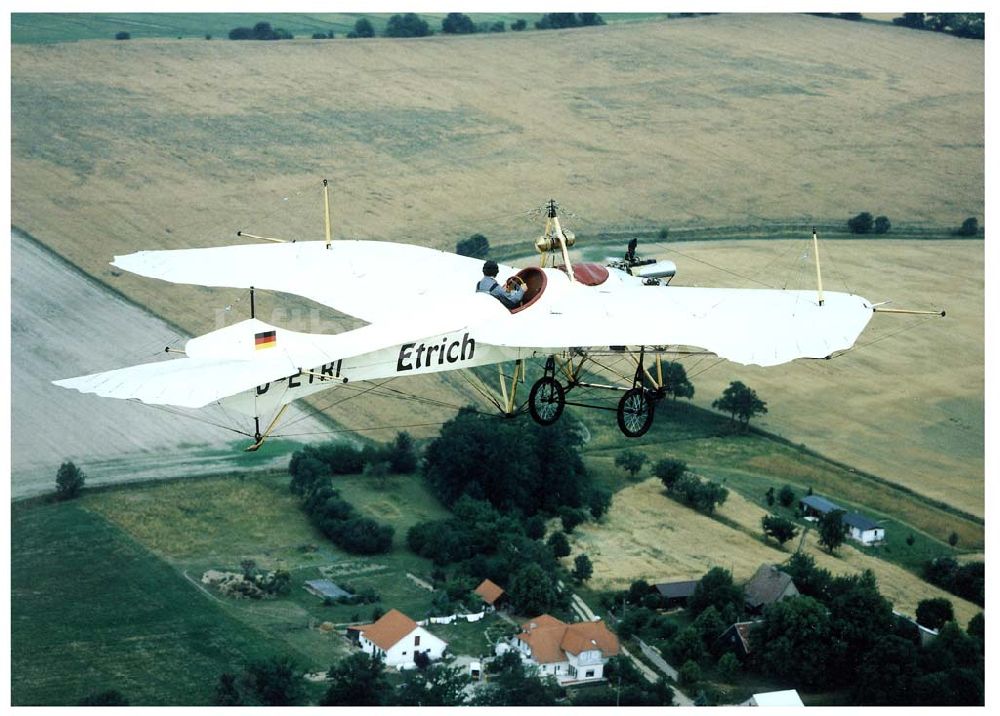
[546, 401]
[635, 412]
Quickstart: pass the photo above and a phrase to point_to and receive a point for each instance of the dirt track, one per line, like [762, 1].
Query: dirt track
[63, 324]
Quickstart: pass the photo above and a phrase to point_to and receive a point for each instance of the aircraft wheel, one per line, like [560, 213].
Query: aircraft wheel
[546, 401]
[635, 413]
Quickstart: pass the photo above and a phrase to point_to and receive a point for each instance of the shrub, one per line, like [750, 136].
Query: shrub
[477, 246]
[786, 496]
[457, 23]
[669, 471]
[69, 481]
[882, 225]
[362, 28]
[970, 227]
[559, 545]
[861, 224]
[408, 25]
[123, 36]
[518, 25]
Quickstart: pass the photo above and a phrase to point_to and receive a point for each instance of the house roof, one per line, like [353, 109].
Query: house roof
[489, 591]
[768, 585]
[820, 504]
[742, 630]
[550, 639]
[778, 698]
[387, 631]
[677, 590]
[860, 521]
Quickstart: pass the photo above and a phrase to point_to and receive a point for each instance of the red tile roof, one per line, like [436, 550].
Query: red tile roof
[387, 631]
[550, 639]
[489, 591]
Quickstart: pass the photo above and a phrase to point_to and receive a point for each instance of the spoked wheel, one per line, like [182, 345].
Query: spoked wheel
[546, 401]
[635, 413]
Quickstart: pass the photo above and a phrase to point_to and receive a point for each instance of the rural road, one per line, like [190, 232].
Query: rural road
[65, 324]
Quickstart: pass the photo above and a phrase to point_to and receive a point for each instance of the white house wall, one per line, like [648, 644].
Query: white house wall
[402, 652]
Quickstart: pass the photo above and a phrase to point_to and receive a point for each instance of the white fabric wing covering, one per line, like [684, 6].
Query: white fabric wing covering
[371, 280]
[750, 326]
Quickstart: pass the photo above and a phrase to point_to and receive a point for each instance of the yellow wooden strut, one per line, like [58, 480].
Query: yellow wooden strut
[264, 436]
[326, 211]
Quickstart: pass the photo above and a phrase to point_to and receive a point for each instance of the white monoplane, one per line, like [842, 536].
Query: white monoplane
[424, 316]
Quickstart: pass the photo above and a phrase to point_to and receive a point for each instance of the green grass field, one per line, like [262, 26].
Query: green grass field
[71, 27]
[93, 609]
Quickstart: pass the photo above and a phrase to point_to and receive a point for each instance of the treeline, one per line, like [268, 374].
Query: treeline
[312, 469]
[960, 24]
[412, 25]
[967, 581]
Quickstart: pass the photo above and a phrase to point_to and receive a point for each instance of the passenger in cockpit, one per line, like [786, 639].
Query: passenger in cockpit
[509, 295]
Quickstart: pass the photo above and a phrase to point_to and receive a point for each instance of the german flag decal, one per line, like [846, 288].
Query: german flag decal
[267, 339]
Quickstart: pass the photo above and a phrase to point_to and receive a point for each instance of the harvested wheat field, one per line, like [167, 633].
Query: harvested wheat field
[727, 120]
[649, 536]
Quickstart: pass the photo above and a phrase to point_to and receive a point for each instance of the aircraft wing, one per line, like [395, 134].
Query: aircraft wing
[371, 280]
[762, 327]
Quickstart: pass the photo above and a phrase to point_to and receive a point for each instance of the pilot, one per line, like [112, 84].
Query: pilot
[509, 295]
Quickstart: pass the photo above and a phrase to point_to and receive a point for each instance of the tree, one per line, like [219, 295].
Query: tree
[518, 25]
[934, 613]
[669, 471]
[570, 518]
[514, 465]
[362, 28]
[476, 246]
[676, 381]
[953, 539]
[910, 19]
[69, 481]
[514, 684]
[599, 502]
[779, 528]
[716, 589]
[456, 23]
[786, 496]
[970, 227]
[532, 590]
[226, 691]
[861, 224]
[793, 641]
[690, 673]
[440, 686]
[740, 402]
[882, 225]
[728, 666]
[559, 544]
[687, 646]
[582, 568]
[123, 36]
[631, 461]
[358, 680]
[407, 25]
[273, 682]
[769, 496]
[885, 674]
[832, 530]
[402, 455]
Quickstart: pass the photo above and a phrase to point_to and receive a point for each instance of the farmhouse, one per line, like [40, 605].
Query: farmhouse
[569, 652]
[396, 639]
[492, 594]
[768, 585]
[676, 594]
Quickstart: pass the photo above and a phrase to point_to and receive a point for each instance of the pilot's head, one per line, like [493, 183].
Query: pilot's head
[490, 268]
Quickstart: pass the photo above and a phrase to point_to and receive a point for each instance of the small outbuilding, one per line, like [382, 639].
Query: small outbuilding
[491, 593]
[735, 639]
[676, 594]
[816, 506]
[863, 529]
[324, 588]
